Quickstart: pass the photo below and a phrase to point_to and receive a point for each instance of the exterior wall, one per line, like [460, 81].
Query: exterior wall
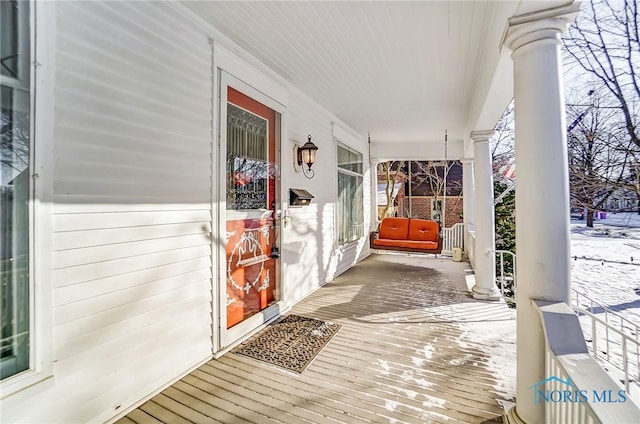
[311, 255]
[132, 210]
[135, 182]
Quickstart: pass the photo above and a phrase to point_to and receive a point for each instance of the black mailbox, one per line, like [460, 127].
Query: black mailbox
[299, 197]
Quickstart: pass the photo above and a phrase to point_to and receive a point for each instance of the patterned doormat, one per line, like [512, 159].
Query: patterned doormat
[291, 343]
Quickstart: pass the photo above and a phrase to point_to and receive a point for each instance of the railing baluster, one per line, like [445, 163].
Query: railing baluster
[502, 279]
[637, 361]
[622, 329]
[625, 364]
[606, 331]
[594, 340]
[562, 368]
[502, 269]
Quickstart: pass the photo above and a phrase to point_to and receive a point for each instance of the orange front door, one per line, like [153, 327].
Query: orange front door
[251, 175]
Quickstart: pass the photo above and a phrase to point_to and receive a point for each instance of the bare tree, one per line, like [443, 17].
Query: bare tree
[433, 177]
[600, 156]
[503, 147]
[604, 41]
[634, 178]
[14, 140]
[391, 171]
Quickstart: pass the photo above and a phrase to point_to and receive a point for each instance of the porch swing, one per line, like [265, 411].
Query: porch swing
[412, 234]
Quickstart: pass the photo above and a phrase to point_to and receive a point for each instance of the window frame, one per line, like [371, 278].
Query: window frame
[42, 86]
[339, 144]
[267, 191]
[434, 208]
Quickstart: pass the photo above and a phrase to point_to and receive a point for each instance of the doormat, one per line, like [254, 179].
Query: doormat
[291, 343]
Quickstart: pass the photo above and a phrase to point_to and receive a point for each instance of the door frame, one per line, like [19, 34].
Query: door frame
[223, 337]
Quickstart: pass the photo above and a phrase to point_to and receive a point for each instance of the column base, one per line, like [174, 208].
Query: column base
[511, 416]
[483, 293]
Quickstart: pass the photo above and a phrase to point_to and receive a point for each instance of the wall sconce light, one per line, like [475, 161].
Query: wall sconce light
[305, 155]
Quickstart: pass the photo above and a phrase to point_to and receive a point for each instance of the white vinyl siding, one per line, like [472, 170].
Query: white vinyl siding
[132, 208]
[311, 253]
[132, 242]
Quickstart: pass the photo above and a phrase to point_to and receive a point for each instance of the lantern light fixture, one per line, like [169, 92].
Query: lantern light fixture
[306, 155]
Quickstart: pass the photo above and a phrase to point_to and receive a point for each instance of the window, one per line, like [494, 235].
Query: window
[247, 162]
[436, 210]
[350, 214]
[15, 190]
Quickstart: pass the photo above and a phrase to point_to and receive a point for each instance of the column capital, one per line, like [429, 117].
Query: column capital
[482, 136]
[467, 161]
[548, 24]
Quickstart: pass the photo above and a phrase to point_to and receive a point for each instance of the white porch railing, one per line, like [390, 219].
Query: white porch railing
[507, 282]
[573, 374]
[452, 237]
[470, 247]
[611, 337]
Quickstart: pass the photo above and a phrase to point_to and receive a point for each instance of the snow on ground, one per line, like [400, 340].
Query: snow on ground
[606, 262]
[605, 266]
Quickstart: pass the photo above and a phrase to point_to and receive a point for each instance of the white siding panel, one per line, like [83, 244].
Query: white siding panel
[86, 67]
[148, 359]
[115, 354]
[78, 208]
[104, 95]
[78, 274]
[102, 21]
[89, 332]
[93, 288]
[132, 263]
[170, 159]
[78, 239]
[125, 218]
[132, 243]
[166, 140]
[103, 395]
[112, 108]
[135, 295]
[91, 255]
[311, 252]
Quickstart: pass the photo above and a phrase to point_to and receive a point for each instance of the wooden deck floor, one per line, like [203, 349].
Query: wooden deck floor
[413, 348]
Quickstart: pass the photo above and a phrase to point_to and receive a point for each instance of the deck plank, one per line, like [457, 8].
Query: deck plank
[312, 388]
[138, 416]
[183, 410]
[160, 413]
[413, 348]
[289, 402]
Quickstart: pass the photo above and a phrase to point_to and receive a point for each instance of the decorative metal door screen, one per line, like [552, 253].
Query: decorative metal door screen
[251, 270]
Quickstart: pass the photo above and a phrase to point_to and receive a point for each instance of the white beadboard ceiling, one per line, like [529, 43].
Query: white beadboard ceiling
[405, 71]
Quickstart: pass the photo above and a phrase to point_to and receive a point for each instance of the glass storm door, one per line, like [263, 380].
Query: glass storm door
[251, 187]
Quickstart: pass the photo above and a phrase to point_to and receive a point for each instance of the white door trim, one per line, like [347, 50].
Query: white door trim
[227, 337]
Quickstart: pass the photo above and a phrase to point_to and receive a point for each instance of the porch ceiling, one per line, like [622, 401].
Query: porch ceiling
[405, 71]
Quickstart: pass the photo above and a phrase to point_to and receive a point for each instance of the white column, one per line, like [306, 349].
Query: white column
[373, 168]
[542, 195]
[485, 270]
[468, 199]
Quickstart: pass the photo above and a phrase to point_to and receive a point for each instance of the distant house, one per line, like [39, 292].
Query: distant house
[425, 191]
[623, 200]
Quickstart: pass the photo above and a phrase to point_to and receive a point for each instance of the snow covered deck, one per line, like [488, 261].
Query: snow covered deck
[414, 347]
